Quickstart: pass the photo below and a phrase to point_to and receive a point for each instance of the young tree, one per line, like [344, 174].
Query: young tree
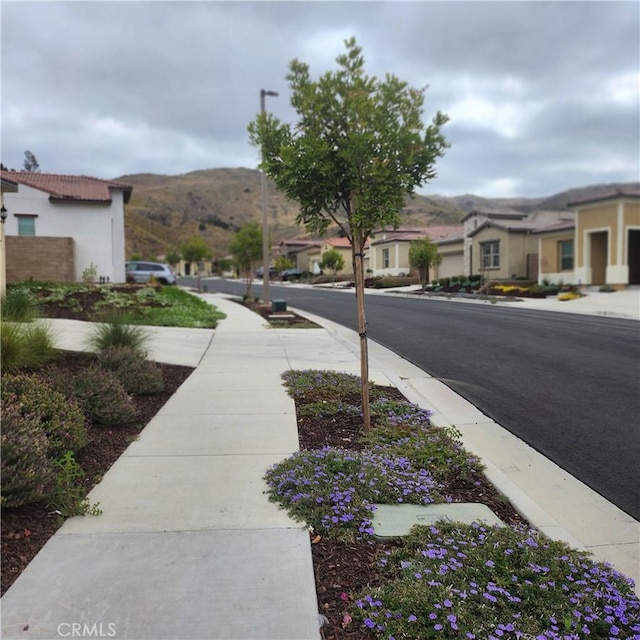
[31, 163]
[222, 265]
[173, 256]
[246, 248]
[358, 148]
[334, 261]
[195, 249]
[423, 255]
[282, 263]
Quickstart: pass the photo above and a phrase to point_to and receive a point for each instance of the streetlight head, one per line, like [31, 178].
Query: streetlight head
[264, 92]
[3, 214]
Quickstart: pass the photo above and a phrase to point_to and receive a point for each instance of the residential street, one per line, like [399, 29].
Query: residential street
[566, 384]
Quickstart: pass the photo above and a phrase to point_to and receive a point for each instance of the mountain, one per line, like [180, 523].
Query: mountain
[165, 210]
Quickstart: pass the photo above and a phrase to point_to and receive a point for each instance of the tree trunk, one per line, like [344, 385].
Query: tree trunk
[358, 272]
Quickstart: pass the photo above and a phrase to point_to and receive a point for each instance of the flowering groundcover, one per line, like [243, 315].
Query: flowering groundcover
[490, 583]
[447, 581]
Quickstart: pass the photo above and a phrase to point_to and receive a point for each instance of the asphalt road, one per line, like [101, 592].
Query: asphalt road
[568, 385]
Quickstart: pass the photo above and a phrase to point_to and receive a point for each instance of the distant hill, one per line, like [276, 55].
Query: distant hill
[166, 210]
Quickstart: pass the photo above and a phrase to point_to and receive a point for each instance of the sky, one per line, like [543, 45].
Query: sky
[542, 96]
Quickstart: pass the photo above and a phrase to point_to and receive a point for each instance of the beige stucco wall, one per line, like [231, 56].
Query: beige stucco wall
[596, 218]
[515, 246]
[491, 234]
[549, 257]
[398, 258]
[346, 254]
[631, 215]
[602, 235]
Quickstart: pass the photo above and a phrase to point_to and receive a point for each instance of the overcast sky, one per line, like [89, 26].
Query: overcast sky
[542, 96]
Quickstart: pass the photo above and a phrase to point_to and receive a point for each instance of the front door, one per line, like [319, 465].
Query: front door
[599, 243]
[633, 251]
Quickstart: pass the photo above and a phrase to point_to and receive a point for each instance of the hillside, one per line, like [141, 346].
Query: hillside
[166, 210]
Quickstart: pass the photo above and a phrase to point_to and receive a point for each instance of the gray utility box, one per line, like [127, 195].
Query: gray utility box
[278, 306]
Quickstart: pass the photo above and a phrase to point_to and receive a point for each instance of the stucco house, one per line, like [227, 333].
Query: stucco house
[299, 251]
[607, 239]
[503, 244]
[389, 255]
[58, 226]
[307, 253]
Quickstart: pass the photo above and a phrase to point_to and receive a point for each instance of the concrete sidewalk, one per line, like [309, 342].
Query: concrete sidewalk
[188, 545]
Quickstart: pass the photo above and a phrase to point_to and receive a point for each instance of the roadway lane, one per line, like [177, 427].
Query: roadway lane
[568, 385]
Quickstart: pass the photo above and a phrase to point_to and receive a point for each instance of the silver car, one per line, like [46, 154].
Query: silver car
[140, 271]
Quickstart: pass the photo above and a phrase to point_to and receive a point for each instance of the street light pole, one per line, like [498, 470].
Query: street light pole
[266, 253]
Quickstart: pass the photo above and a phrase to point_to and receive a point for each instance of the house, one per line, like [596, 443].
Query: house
[299, 251]
[389, 254]
[607, 238]
[503, 245]
[307, 253]
[60, 226]
[343, 247]
[6, 186]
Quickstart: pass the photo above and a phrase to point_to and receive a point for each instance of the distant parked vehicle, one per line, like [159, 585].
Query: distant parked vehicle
[139, 271]
[292, 274]
[273, 272]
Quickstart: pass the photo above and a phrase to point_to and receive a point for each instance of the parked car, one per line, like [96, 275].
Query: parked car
[273, 272]
[139, 271]
[292, 274]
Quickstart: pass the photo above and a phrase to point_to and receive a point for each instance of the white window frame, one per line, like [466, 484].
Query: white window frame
[25, 217]
[562, 257]
[490, 254]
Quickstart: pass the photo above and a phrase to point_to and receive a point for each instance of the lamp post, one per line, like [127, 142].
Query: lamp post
[3, 260]
[266, 254]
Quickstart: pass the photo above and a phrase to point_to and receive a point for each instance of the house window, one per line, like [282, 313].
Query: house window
[26, 225]
[490, 254]
[566, 255]
[385, 258]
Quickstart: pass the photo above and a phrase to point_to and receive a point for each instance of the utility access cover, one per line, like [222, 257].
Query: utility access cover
[393, 520]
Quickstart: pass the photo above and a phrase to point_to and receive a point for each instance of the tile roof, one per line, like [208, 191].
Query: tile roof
[62, 187]
[534, 221]
[338, 242]
[436, 233]
[495, 213]
[620, 192]
[564, 225]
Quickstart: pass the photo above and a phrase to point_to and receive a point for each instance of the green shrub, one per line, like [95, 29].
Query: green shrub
[60, 417]
[18, 305]
[137, 374]
[27, 473]
[116, 331]
[606, 288]
[389, 282]
[25, 345]
[102, 397]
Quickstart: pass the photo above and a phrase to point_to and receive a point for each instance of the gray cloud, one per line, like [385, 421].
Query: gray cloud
[543, 96]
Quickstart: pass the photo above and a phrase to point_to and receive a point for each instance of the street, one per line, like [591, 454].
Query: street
[567, 385]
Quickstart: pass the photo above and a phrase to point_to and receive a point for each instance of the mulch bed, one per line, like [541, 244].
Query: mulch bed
[286, 319]
[26, 530]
